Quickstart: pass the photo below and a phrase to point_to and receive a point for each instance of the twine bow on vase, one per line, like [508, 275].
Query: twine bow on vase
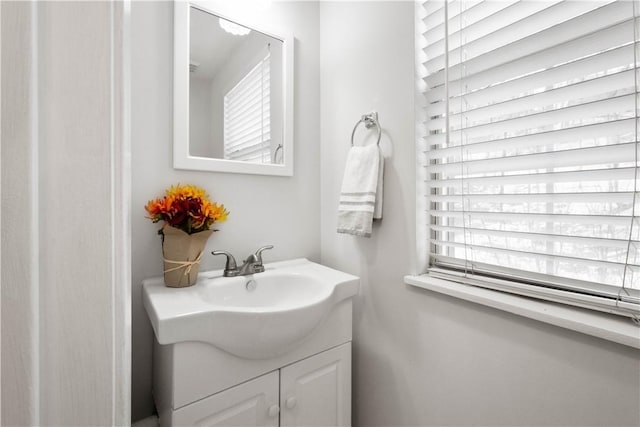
[183, 264]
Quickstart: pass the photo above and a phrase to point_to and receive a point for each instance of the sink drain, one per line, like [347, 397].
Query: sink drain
[251, 285]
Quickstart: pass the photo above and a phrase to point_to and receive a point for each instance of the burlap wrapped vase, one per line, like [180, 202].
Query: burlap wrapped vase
[182, 253]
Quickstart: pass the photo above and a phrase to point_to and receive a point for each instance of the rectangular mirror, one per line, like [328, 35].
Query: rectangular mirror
[233, 95]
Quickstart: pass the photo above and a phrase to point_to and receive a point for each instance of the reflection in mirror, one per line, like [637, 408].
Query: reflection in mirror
[235, 91]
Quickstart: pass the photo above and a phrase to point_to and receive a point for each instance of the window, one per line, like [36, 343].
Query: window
[531, 151]
[247, 118]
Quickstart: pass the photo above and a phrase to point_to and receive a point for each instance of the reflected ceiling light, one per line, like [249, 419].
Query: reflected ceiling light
[233, 28]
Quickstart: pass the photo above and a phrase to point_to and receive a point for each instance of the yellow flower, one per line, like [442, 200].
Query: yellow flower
[215, 212]
[187, 191]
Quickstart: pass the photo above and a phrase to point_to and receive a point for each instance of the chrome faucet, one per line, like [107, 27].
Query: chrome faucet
[253, 263]
[230, 267]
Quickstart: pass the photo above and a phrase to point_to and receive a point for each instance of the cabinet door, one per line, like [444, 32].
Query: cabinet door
[317, 391]
[254, 403]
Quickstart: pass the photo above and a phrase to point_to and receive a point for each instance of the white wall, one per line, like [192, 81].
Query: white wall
[201, 119]
[283, 211]
[421, 358]
[65, 330]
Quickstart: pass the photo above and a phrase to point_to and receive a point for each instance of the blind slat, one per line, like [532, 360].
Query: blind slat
[622, 221]
[624, 176]
[534, 255]
[612, 132]
[610, 109]
[604, 198]
[553, 239]
[619, 153]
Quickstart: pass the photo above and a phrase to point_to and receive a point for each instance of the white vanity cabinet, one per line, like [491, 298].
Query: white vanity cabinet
[270, 349]
[312, 392]
[197, 384]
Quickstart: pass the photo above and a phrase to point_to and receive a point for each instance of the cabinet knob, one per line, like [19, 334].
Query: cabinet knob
[274, 410]
[291, 402]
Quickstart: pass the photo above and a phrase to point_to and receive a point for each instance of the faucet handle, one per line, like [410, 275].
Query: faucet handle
[230, 268]
[258, 253]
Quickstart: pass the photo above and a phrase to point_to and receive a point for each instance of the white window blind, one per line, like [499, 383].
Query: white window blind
[531, 149]
[247, 117]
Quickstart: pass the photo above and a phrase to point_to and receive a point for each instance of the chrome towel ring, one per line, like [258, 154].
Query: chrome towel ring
[370, 120]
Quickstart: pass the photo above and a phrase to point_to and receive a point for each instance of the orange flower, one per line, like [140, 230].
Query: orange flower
[155, 208]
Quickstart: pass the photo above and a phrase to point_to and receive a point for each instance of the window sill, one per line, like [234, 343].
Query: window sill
[609, 327]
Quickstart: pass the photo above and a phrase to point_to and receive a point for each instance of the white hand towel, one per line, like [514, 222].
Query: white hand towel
[361, 193]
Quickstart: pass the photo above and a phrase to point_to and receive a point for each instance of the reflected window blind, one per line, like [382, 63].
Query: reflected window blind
[247, 120]
[532, 148]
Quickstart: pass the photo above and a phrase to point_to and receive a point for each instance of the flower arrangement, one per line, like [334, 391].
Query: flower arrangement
[188, 214]
[187, 208]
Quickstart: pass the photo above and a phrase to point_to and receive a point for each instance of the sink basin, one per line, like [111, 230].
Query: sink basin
[258, 316]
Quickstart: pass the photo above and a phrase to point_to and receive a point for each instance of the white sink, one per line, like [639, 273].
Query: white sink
[286, 304]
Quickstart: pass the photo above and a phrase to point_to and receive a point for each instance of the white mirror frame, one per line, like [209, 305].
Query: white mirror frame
[181, 157]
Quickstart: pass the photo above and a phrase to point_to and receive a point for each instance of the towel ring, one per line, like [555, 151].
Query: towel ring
[370, 120]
